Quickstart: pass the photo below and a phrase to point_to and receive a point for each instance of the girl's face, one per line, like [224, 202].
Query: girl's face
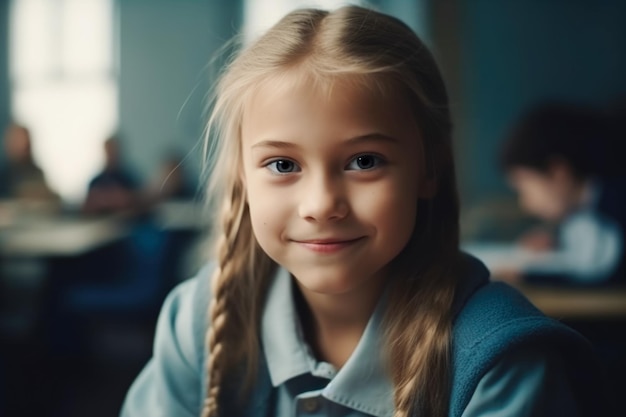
[332, 181]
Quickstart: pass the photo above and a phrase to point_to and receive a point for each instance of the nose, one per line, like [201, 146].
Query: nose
[323, 199]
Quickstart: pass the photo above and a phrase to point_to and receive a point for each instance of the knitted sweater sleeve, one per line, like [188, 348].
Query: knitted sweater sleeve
[502, 343]
[524, 383]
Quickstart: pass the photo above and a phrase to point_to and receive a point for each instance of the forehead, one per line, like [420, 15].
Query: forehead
[525, 176]
[295, 96]
[323, 86]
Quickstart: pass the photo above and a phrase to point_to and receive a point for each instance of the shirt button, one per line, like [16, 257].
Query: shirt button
[310, 405]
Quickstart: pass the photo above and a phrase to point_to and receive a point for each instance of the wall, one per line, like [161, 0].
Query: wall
[415, 13]
[498, 58]
[5, 109]
[165, 49]
[515, 53]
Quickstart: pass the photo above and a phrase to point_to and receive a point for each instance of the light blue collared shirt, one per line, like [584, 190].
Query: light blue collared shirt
[521, 384]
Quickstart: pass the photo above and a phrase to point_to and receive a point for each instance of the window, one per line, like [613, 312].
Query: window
[63, 78]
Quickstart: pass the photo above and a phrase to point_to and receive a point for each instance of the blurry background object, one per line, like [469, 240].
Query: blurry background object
[64, 84]
[20, 177]
[559, 159]
[503, 57]
[115, 189]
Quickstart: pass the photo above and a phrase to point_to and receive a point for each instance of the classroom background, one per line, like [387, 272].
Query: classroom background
[106, 101]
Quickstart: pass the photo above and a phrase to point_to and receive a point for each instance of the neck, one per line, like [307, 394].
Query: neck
[334, 323]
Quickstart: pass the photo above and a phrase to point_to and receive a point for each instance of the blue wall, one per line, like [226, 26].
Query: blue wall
[512, 53]
[517, 52]
[165, 49]
[415, 13]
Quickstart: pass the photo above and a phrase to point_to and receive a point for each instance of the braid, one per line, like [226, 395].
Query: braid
[238, 290]
[223, 285]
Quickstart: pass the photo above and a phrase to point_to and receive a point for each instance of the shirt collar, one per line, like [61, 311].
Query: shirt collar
[285, 352]
[361, 384]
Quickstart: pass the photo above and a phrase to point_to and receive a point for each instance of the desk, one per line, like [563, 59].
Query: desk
[498, 255]
[15, 212]
[559, 302]
[182, 215]
[59, 238]
[578, 303]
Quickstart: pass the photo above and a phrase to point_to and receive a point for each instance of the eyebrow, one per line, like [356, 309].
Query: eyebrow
[269, 143]
[373, 137]
[370, 137]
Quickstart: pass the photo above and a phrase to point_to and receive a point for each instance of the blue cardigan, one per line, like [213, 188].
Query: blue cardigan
[492, 319]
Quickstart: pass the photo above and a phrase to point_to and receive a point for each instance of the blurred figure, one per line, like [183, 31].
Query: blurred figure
[20, 177]
[114, 190]
[171, 182]
[558, 160]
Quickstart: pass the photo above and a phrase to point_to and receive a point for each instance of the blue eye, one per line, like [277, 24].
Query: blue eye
[283, 166]
[365, 162]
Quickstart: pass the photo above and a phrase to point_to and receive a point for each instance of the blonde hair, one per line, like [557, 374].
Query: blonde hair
[351, 43]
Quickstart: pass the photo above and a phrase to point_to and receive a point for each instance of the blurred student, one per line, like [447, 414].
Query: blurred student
[114, 190]
[20, 177]
[558, 161]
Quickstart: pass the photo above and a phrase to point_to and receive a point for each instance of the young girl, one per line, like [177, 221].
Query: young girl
[338, 288]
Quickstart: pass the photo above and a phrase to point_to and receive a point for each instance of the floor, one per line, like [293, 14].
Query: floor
[94, 385]
[57, 362]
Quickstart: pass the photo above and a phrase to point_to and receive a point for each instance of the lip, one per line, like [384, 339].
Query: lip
[330, 245]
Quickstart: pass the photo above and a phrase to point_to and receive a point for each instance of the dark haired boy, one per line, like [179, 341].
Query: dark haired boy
[558, 159]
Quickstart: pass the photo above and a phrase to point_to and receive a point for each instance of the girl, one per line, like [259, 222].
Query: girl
[338, 288]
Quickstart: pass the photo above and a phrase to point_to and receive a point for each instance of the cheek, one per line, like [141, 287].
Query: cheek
[267, 211]
[531, 193]
[390, 207]
[530, 197]
[402, 215]
[541, 200]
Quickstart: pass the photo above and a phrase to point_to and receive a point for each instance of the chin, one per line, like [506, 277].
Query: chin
[326, 283]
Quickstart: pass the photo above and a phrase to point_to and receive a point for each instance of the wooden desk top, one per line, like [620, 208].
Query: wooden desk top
[182, 215]
[60, 238]
[559, 302]
[578, 303]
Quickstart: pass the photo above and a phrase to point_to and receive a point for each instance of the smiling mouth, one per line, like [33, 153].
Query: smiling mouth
[328, 245]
